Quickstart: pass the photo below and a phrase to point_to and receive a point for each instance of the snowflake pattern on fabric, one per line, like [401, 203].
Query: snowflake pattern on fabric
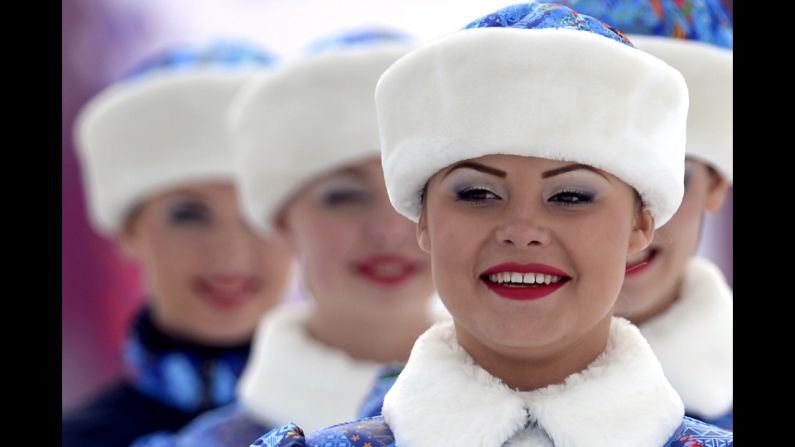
[547, 15]
[374, 432]
[694, 433]
[359, 38]
[706, 21]
[289, 435]
[220, 55]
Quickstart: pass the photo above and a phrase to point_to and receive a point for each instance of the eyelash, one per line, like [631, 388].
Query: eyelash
[476, 194]
[572, 197]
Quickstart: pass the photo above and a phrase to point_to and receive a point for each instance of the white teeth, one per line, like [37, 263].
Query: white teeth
[388, 269]
[523, 278]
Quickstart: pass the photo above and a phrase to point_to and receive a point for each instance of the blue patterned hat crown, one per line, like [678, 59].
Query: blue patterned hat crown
[705, 21]
[223, 54]
[358, 38]
[547, 15]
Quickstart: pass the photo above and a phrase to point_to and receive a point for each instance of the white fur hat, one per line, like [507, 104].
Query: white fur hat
[161, 128]
[696, 38]
[708, 72]
[305, 119]
[556, 85]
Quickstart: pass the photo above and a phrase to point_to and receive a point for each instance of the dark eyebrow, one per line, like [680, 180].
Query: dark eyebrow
[569, 168]
[188, 194]
[354, 171]
[477, 167]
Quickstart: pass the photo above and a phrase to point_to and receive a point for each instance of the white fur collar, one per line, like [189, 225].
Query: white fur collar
[622, 398]
[293, 378]
[694, 342]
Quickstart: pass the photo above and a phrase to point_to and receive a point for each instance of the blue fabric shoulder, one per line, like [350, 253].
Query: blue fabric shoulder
[374, 401]
[228, 426]
[372, 432]
[694, 433]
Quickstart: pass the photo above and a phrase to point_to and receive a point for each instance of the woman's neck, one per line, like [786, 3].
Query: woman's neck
[527, 371]
[382, 340]
[662, 304]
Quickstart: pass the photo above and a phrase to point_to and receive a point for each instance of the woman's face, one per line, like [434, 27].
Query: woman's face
[210, 278]
[655, 274]
[359, 257]
[529, 253]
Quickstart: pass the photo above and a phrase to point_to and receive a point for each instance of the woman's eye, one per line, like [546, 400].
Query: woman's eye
[572, 197]
[189, 213]
[345, 197]
[476, 194]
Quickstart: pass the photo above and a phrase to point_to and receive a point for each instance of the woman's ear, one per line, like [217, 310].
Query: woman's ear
[716, 195]
[282, 230]
[129, 243]
[423, 238]
[642, 232]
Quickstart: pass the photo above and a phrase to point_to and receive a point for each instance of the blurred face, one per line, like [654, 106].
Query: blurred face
[529, 253]
[209, 276]
[359, 257]
[655, 274]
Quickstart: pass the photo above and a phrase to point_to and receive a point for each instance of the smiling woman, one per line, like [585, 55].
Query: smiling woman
[535, 143]
[159, 179]
[568, 226]
[682, 303]
[307, 144]
[209, 276]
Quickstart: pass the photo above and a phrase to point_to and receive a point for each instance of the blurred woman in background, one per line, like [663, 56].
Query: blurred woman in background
[159, 179]
[681, 303]
[537, 150]
[310, 170]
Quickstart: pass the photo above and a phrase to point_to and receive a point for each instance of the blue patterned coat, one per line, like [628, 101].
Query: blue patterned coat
[374, 432]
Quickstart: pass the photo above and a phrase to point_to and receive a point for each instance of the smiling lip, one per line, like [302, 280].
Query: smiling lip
[525, 291]
[227, 292]
[387, 270]
[642, 266]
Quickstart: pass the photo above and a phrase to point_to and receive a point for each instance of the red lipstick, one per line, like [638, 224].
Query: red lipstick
[387, 270]
[642, 266]
[227, 292]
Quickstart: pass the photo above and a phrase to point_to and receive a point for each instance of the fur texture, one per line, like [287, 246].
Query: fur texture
[140, 137]
[305, 119]
[694, 340]
[622, 398]
[553, 93]
[293, 378]
[708, 72]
